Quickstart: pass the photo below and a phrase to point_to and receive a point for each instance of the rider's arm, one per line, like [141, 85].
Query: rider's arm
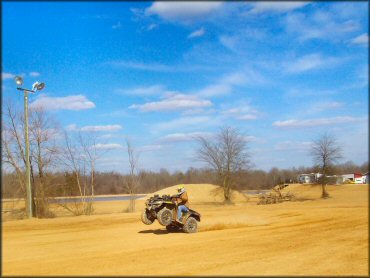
[184, 197]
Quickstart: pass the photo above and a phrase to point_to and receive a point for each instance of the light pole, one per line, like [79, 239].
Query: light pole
[37, 86]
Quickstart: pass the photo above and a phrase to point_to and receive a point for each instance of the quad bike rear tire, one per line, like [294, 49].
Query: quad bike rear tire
[147, 219]
[164, 216]
[190, 225]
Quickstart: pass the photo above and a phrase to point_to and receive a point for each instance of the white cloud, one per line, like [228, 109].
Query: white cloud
[101, 128]
[143, 91]
[73, 127]
[173, 102]
[151, 27]
[181, 123]
[108, 146]
[182, 137]
[215, 90]
[156, 67]
[6, 75]
[198, 33]
[293, 146]
[117, 26]
[197, 111]
[322, 106]
[74, 102]
[185, 12]
[34, 73]
[107, 136]
[225, 85]
[361, 39]
[305, 63]
[356, 146]
[276, 7]
[240, 39]
[230, 42]
[303, 92]
[316, 122]
[310, 62]
[149, 148]
[110, 162]
[251, 138]
[247, 117]
[142, 66]
[238, 77]
[191, 136]
[324, 25]
[243, 112]
[350, 10]
[363, 76]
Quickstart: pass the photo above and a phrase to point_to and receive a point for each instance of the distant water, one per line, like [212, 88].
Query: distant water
[95, 199]
[121, 198]
[255, 192]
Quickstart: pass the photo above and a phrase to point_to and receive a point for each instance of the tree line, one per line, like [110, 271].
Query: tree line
[226, 155]
[65, 183]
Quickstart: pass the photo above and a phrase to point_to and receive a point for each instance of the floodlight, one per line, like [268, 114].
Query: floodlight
[18, 80]
[38, 86]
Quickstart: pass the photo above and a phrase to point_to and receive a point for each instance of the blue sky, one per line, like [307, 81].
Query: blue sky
[161, 72]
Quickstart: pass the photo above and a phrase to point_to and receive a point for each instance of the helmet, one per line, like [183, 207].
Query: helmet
[181, 189]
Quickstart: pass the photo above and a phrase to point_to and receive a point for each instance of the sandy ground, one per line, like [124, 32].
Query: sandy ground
[307, 237]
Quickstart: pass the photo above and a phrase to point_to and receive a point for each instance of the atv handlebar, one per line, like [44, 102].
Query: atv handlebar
[174, 198]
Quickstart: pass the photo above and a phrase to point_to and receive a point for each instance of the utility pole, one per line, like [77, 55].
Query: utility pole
[28, 167]
[35, 87]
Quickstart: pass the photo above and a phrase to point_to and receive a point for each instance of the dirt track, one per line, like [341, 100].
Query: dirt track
[312, 237]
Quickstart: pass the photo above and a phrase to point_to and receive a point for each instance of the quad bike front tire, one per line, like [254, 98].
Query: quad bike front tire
[147, 219]
[164, 216]
[190, 225]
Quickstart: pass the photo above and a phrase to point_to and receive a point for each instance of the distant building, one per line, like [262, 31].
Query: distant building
[365, 178]
[334, 179]
[355, 177]
[309, 178]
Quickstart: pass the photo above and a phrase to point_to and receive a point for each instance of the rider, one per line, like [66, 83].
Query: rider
[182, 202]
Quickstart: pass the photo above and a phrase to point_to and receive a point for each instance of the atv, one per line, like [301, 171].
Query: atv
[164, 209]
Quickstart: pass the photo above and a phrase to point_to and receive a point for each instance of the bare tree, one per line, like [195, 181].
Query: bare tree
[131, 181]
[227, 155]
[80, 156]
[12, 150]
[42, 150]
[90, 151]
[72, 158]
[12, 142]
[325, 152]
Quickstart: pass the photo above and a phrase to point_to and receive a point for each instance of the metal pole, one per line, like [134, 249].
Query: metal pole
[28, 173]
